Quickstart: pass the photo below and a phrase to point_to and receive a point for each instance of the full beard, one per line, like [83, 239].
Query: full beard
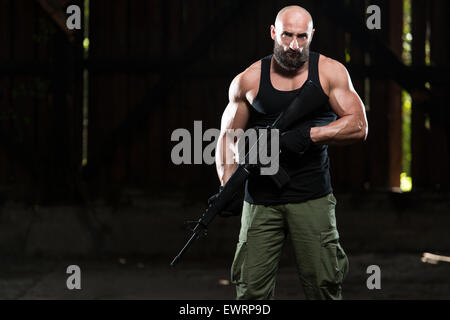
[290, 60]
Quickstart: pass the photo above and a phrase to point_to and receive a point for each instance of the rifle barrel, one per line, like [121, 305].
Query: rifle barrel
[187, 245]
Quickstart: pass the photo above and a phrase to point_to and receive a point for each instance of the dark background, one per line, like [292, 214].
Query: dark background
[85, 133]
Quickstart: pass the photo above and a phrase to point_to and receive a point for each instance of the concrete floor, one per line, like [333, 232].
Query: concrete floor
[403, 276]
[399, 229]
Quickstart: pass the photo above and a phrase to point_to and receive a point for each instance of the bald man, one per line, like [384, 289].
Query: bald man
[305, 207]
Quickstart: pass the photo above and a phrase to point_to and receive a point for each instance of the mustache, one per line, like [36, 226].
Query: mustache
[302, 52]
[293, 53]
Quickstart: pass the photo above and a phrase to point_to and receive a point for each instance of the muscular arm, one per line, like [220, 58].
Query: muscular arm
[352, 123]
[234, 117]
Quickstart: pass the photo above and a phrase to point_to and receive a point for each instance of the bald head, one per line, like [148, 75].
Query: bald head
[293, 15]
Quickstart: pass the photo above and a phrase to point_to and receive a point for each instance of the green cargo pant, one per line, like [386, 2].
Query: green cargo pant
[321, 262]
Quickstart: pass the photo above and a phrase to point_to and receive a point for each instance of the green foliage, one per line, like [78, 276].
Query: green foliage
[407, 35]
[405, 176]
[406, 132]
[86, 41]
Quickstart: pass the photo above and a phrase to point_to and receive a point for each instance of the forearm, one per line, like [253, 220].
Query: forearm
[225, 159]
[225, 172]
[344, 131]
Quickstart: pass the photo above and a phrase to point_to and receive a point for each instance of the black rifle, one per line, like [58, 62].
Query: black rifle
[309, 98]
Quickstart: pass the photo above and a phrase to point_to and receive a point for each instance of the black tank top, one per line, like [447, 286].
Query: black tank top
[310, 175]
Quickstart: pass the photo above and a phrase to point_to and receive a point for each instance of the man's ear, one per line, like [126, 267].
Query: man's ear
[312, 34]
[272, 32]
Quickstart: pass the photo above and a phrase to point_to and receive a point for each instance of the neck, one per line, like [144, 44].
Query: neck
[288, 73]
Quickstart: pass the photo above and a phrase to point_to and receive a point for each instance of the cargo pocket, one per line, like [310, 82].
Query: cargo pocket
[333, 259]
[332, 198]
[238, 266]
[342, 261]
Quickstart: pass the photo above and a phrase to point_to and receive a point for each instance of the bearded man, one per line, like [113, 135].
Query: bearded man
[305, 207]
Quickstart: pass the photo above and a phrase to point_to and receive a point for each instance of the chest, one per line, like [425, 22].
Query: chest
[281, 83]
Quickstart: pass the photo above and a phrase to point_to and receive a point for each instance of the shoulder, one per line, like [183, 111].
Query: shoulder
[333, 71]
[330, 66]
[246, 81]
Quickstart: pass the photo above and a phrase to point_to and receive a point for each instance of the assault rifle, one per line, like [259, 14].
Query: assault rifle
[306, 102]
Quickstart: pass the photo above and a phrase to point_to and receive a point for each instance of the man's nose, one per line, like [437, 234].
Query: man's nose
[294, 44]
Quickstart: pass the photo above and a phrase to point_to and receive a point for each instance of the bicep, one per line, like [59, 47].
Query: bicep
[235, 116]
[344, 100]
[236, 113]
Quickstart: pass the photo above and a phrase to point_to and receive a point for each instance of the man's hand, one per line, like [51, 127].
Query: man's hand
[234, 208]
[297, 140]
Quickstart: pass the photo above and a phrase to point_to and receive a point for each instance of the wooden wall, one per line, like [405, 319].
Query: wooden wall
[430, 117]
[40, 100]
[157, 65]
